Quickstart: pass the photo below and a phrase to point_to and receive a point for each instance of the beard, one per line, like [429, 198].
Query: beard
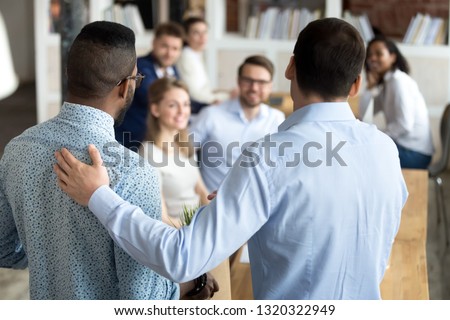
[249, 103]
[119, 118]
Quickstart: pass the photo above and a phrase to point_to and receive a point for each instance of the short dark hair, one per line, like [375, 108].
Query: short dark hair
[101, 55]
[400, 63]
[187, 23]
[258, 61]
[173, 29]
[329, 56]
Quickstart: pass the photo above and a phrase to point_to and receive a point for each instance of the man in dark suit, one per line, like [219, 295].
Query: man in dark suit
[160, 62]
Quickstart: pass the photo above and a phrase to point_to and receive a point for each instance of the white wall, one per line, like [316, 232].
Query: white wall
[18, 16]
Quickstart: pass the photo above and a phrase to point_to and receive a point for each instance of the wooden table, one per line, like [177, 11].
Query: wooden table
[406, 278]
[222, 275]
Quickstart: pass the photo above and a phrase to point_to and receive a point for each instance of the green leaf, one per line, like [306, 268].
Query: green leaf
[187, 214]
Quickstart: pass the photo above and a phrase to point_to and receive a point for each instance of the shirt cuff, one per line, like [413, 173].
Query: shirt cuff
[103, 202]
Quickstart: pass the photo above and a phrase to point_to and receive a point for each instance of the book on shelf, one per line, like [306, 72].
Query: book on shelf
[411, 29]
[366, 27]
[243, 13]
[418, 27]
[424, 29]
[279, 23]
[276, 31]
[361, 23]
[294, 24]
[285, 18]
[306, 17]
[252, 26]
[267, 23]
[441, 37]
[433, 29]
[127, 14]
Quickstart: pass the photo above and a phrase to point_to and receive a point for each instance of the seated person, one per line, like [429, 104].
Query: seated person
[398, 96]
[192, 68]
[169, 151]
[159, 63]
[236, 122]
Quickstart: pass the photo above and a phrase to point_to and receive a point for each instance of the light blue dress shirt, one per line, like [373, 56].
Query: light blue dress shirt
[223, 131]
[320, 211]
[68, 252]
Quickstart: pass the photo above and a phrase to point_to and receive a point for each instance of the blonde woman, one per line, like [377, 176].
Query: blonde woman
[167, 148]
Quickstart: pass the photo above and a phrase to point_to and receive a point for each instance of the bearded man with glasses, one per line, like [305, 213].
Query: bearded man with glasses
[223, 130]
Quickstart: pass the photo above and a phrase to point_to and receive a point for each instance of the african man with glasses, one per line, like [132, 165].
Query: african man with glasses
[222, 130]
[68, 253]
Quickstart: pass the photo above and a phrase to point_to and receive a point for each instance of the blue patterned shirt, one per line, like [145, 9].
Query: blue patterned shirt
[68, 252]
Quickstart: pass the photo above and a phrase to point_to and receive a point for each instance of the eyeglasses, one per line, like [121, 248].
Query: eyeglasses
[249, 81]
[138, 78]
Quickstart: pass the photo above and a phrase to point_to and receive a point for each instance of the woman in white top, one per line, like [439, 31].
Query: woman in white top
[191, 66]
[398, 96]
[169, 151]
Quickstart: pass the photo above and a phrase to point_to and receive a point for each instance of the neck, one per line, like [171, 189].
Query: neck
[167, 136]
[79, 100]
[302, 100]
[250, 112]
[100, 104]
[198, 50]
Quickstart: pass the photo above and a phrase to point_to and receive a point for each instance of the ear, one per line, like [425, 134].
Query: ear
[290, 69]
[154, 110]
[123, 89]
[355, 86]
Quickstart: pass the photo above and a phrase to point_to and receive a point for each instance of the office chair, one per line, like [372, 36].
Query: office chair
[436, 169]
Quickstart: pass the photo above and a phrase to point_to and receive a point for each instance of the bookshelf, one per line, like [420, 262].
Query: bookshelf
[222, 46]
[234, 47]
[430, 64]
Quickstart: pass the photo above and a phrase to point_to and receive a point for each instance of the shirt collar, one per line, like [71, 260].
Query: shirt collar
[160, 71]
[388, 75]
[87, 116]
[325, 111]
[236, 107]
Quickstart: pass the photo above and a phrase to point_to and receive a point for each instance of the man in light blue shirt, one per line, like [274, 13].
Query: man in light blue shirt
[223, 131]
[68, 253]
[319, 202]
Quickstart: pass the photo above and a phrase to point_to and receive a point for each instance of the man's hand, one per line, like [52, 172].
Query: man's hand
[77, 179]
[206, 293]
[372, 79]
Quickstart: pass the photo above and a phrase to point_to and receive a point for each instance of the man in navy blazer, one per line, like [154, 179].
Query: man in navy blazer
[160, 62]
